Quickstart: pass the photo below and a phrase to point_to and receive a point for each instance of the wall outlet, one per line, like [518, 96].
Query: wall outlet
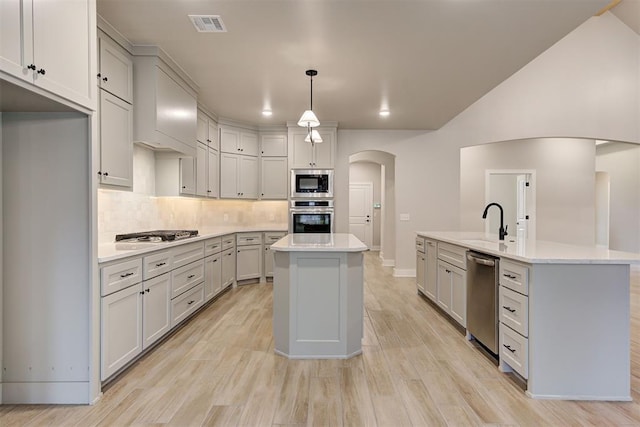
[225, 217]
[404, 217]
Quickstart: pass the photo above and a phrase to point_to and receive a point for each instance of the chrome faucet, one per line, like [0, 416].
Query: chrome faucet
[503, 230]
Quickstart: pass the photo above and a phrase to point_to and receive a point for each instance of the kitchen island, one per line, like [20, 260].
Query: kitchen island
[318, 296]
[563, 312]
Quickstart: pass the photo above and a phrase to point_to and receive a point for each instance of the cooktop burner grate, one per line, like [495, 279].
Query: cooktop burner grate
[162, 235]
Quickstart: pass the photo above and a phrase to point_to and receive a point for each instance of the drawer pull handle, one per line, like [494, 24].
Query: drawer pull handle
[191, 276]
[160, 264]
[191, 302]
[509, 309]
[249, 239]
[215, 260]
[508, 347]
[126, 275]
[509, 276]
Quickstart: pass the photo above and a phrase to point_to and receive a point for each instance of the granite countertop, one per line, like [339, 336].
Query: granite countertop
[320, 242]
[112, 251]
[533, 251]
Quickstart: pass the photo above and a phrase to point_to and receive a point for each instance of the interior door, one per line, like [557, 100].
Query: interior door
[361, 211]
[522, 219]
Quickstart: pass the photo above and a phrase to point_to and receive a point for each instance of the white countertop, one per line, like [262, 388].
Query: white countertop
[319, 242]
[533, 251]
[112, 251]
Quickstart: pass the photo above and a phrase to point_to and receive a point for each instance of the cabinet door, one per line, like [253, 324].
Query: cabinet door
[212, 276]
[249, 143]
[444, 286]
[268, 262]
[156, 309]
[229, 170]
[188, 176]
[202, 182]
[431, 271]
[324, 156]
[249, 262]
[228, 267]
[116, 141]
[273, 145]
[273, 178]
[213, 134]
[16, 46]
[229, 140]
[248, 177]
[202, 132]
[420, 270]
[459, 295]
[62, 34]
[302, 155]
[213, 175]
[121, 336]
[116, 69]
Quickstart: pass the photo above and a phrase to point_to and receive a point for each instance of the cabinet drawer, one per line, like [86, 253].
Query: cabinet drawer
[514, 310]
[430, 243]
[119, 276]
[186, 304]
[157, 264]
[514, 350]
[243, 239]
[420, 244]
[514, 276]
[212, 246]
[228, 242]
[186, 277]
[452, 254]
[272, 237]
[185, 254]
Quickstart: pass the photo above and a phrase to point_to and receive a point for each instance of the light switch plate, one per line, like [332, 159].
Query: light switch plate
[404, 217]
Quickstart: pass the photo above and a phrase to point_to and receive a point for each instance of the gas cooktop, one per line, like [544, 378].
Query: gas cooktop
[156, 236]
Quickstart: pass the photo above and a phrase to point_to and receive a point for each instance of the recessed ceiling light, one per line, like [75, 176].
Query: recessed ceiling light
[384, 113]
[267, 113]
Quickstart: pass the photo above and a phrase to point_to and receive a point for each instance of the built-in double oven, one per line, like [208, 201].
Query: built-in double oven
[311, 209]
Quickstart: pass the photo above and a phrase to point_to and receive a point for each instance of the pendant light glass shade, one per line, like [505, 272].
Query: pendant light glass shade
[308, 120]
[313, 136]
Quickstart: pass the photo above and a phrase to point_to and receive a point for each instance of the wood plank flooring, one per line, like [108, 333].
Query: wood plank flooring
[416, 370]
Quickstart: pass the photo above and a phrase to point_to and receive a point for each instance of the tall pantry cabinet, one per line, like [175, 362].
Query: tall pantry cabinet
[49, 311]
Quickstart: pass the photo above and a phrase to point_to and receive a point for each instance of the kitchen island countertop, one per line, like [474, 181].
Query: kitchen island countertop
[533, 251]
[319, 242]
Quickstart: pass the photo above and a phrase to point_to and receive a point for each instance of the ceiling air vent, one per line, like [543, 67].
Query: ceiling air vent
[208, 23]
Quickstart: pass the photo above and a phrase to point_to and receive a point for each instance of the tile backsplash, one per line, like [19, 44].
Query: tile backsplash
[139, 210]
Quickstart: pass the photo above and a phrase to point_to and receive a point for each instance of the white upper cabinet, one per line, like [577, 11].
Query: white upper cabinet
[116, 146]
[273, 178]
[188, 176]
[202, 158]
[306, 155]
[238, 141]
[49, 44]
[273, 145]
[213, 173]
[115, 73]
[238, 176]
[165, 107]
[207, 130]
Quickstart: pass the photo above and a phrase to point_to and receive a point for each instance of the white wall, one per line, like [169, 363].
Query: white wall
[503, 189]
[1, 260]
[565, 184]
[586, 85]
[369, 172]
[622, 163]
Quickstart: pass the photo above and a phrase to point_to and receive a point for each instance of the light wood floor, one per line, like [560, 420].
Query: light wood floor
[416, 369]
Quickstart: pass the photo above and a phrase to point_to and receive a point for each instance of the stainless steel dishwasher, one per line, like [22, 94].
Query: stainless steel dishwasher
[482, 299]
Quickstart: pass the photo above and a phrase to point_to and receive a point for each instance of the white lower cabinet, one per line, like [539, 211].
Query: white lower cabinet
[431, 270]
[452, 291]
[270, 238]
[156, 309]
[228, 267]
[121, 335]
[249, 262]
[212, 276]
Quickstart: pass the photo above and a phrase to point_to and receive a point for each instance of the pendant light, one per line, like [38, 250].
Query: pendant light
[309, 119]
[313, 136]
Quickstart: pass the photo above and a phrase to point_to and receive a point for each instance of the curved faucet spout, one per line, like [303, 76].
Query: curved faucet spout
[502, 232]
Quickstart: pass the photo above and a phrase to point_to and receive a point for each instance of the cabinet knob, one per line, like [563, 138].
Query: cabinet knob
[105, 174]
[104, 79]
[99, 75]
[99, 173]
[31, 67]
[42, 71]
[184, 186]
[147, 290]
[208, 191]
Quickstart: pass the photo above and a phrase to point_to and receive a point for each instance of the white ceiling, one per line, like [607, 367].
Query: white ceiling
[426, 60]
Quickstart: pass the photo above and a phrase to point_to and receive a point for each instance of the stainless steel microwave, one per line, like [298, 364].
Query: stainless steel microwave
[311, 183]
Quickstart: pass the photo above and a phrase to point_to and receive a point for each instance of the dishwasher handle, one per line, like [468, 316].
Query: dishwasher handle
[483, 261]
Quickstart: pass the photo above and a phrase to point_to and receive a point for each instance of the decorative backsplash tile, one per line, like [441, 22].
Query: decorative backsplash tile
[138, 210]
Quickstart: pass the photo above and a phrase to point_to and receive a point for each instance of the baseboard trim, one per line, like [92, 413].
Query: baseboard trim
[388, 262]
[404, 272]
[374, 248]
[59, 393]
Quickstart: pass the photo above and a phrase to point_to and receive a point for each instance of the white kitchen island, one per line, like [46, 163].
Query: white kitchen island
[318, 296]
[563, 313]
